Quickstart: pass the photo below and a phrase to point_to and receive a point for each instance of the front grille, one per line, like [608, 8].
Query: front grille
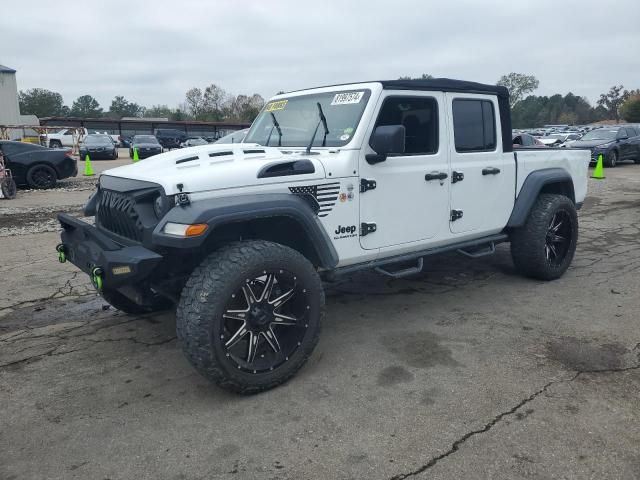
[117, 213]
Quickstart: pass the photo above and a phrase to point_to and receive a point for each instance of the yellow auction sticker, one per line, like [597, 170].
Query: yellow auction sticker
[273, 106]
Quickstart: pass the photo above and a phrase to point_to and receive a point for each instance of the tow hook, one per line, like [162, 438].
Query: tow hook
[96, 278]
[62, 252]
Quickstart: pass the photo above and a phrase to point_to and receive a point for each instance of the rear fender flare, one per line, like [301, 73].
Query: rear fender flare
[531, 188]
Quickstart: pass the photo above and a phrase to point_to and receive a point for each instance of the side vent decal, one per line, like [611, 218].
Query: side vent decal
[325, 194]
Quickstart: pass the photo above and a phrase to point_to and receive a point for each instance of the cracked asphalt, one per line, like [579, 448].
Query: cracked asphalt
[466, 371]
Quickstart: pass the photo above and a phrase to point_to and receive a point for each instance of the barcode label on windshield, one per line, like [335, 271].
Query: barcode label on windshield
[347, 98]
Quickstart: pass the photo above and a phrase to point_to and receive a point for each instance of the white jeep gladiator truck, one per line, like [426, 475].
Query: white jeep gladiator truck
[329, 181]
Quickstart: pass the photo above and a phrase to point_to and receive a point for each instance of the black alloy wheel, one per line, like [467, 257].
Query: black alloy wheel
[41, 177]
[558, 238]
[263, 324]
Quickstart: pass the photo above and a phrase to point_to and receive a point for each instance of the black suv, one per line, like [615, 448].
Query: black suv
[170, 138]
[614, 143]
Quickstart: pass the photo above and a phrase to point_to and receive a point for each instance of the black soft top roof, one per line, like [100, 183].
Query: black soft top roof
[459, 86]
[446, 85]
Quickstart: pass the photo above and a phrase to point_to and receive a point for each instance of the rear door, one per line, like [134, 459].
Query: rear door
[482, 176]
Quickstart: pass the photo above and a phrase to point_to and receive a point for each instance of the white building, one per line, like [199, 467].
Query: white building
[9, 107]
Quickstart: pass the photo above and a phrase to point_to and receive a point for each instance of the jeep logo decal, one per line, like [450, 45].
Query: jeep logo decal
[345, 232]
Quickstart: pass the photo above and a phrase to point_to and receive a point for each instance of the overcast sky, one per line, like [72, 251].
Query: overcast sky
[153, 52]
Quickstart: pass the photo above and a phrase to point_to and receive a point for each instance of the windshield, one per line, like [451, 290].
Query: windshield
[98, 140]
[145, 139]
[600, 135]
[298, 117]
[235, 137]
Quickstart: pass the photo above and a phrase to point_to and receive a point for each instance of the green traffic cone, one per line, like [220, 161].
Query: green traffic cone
[88, 169]
[135, 154]
[598, 172]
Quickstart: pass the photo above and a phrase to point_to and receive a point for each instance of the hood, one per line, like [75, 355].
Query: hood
[146, 145]
[215, 167]
[589, 143]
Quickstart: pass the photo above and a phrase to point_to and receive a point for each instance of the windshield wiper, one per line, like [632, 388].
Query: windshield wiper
[323, 121]
[276, 125]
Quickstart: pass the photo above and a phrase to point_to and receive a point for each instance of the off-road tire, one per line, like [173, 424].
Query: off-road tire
[41, 176]
[611, 160]
[528, 242]
[123, 303]
[205, 298]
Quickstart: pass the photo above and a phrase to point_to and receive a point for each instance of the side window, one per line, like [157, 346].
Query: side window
[474, 125]
[69, 132]
[419, 115]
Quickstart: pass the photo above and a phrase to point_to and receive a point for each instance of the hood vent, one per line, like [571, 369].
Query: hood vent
[247, 152]
[188, 159]
[220, 154]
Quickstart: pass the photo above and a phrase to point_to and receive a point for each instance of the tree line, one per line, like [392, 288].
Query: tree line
[530, 111]
[213, 103]
[209, 104]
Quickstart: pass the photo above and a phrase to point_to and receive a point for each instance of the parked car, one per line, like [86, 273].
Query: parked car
[65, 137]
[98, 147]
[242, 237]
[170, 138]
[613, 143]
[193, 142]
[125, 141]
[524, 140]
[36, 166]
[147, 146]
[235, 137]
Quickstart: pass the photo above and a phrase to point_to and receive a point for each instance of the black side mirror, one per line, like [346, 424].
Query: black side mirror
[386, 140]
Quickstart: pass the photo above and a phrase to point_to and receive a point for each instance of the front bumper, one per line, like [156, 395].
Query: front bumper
[89, 249]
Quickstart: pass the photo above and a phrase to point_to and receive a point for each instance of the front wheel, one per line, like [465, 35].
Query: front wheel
[544, 246]
[612, 159]
[249, 316]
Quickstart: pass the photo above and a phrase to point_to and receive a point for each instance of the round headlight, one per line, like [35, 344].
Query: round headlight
[160, 206]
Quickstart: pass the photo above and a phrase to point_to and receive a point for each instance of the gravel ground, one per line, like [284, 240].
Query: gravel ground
[465, 371]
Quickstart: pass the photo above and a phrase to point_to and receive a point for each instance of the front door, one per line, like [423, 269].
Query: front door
[482, 176]
[410, 200]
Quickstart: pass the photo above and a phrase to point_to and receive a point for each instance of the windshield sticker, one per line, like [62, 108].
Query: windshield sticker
[274, 106]
[348, 130]
[347, 98]
[344, 137]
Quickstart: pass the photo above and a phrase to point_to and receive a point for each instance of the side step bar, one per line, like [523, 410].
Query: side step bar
[406, 272]
[471, 248]
[488, 249]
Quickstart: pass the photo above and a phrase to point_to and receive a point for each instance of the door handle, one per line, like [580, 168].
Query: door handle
[490, 171]
[435, 176]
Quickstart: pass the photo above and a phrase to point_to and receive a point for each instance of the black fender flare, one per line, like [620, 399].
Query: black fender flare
[531, 188]
[217, 212]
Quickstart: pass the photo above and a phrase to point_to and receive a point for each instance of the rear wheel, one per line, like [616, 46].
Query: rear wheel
[249, 316]
[612, 159]
[41, 176]
[55, 144]
[544, 247]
